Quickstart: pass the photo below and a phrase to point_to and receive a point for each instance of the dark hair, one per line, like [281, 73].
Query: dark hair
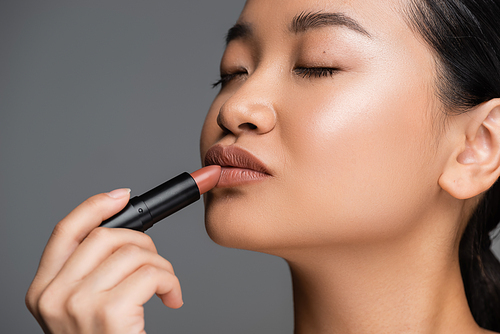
[464, 36]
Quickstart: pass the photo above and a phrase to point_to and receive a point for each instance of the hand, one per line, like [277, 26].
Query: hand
[95, 279]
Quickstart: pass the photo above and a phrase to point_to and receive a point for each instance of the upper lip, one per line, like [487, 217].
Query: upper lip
[234, 156]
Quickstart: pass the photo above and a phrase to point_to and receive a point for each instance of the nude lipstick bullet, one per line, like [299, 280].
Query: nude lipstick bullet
[145, 210]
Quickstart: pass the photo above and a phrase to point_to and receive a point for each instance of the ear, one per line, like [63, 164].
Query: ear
[474, 165]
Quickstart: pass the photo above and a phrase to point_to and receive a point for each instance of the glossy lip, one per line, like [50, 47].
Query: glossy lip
[238, 165]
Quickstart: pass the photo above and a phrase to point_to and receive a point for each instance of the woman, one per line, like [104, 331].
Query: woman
[360, 141]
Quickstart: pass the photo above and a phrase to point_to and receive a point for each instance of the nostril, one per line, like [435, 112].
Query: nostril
[237, 119]
[247, 126]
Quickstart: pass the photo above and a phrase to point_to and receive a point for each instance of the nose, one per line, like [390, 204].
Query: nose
[249, 110]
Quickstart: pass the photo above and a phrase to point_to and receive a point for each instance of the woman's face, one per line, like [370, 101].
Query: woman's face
[336, 101]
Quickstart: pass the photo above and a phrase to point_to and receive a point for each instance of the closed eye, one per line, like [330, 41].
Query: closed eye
[304, 72]
[315, 72]
[225, 78]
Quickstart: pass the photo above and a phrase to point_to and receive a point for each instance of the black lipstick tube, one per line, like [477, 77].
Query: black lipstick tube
[145, 210]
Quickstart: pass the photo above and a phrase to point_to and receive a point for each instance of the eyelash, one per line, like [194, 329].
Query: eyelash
[304, 72]
[315, 72]
[225, 78]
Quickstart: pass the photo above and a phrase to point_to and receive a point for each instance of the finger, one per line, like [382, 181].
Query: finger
[139, 287]
[121, 264]
[70, 232]
[98, 246]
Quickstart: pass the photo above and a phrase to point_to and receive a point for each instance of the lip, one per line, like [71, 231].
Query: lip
[238, 166]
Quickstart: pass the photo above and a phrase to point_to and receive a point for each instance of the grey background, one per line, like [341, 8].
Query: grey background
[96, 95]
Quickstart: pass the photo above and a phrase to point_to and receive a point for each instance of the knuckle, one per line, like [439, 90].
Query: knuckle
[76, 305]
[148, 270]
[32, 292]
[100, 233]
[130, 250]
[169, 266]
[92, 203]
[59, 230]
[148, 241]
[31, 301]
[48, 305]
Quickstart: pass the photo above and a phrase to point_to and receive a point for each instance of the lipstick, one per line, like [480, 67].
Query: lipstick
[145, 210]
[239, 166]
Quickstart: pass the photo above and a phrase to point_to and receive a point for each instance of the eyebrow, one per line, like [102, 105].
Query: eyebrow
[301, 23]
[238, 31]
[311, 20]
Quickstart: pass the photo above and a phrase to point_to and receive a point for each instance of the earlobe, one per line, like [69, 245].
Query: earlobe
[475, 164]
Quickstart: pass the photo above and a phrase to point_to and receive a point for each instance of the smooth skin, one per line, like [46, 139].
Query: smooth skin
[369, 193]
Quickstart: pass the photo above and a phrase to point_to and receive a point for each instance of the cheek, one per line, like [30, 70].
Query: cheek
[364, 161]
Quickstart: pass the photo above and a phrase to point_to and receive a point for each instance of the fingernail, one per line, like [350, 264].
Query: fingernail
[119, 193]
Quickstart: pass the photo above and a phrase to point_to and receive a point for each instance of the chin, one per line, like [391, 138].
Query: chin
[233, 232]
[233, 223]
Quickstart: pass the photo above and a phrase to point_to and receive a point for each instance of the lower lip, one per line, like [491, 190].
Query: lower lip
[232, 177]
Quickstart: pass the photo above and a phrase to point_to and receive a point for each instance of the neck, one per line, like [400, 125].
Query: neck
[395, 287]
